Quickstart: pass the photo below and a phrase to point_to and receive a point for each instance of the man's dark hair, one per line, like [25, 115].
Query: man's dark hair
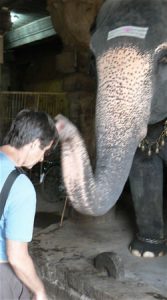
[30, 125]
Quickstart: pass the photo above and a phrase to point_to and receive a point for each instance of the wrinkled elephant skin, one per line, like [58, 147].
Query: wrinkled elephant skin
[130, 46]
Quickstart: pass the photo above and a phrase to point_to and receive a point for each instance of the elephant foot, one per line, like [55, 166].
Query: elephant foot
[149, 248]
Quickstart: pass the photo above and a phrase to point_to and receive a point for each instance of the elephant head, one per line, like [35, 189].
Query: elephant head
[129, 44]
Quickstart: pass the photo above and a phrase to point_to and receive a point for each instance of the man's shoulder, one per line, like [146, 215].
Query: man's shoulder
[23, 185]
[6, 167]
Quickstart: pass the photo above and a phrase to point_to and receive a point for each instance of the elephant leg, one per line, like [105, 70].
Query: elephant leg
[146, 183]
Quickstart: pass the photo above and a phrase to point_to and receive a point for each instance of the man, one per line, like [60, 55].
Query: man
[30, 136]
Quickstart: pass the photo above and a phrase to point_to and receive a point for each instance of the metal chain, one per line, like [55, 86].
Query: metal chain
[154, 147]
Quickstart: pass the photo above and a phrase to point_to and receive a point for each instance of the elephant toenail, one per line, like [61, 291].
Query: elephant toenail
[148, 254]
[136, 253]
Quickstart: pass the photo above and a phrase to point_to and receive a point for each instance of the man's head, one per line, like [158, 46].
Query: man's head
[34, 132]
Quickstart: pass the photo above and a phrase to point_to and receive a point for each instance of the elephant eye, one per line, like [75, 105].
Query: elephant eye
[160, 59]
[161, 66]
[163, 60]
[161, 54]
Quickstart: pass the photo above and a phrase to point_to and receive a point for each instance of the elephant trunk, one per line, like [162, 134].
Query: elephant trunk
[122, 112]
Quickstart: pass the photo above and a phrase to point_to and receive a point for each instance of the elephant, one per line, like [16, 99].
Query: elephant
[129, 43]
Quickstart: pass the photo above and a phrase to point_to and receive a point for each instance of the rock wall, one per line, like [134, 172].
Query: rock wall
[73, 19]
[67, 74]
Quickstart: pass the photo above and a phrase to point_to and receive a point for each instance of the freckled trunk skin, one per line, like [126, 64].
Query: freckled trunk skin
[122, 112]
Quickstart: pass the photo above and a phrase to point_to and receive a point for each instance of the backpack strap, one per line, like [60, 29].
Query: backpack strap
[6, 188]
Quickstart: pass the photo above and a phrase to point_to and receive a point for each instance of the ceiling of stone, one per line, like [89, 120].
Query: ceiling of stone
[32, 21]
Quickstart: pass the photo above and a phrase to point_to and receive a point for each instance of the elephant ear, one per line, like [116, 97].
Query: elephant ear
[159, 102]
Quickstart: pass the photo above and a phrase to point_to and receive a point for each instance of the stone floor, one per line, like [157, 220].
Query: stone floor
[64, 254]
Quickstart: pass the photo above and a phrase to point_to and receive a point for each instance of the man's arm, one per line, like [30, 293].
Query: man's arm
[23, 266]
